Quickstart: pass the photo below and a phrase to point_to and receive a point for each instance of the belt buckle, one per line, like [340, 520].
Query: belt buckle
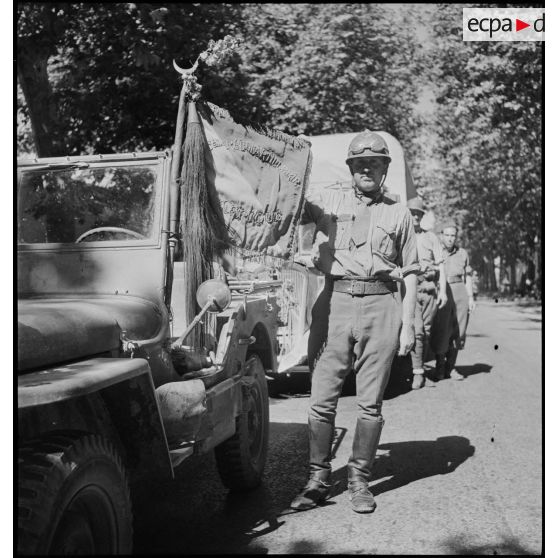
[357, 288]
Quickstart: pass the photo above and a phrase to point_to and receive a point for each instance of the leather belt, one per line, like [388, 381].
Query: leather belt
[455, 279]
[360, 287]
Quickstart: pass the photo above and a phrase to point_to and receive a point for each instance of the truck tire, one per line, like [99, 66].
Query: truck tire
[241, 459]
[73, 497]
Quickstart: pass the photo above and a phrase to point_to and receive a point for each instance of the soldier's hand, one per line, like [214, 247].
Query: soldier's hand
[442, 300]
[472, 304]
[396, 275]
[406, 339]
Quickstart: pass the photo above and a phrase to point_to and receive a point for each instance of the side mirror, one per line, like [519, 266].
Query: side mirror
[213, 296]
[216, 292]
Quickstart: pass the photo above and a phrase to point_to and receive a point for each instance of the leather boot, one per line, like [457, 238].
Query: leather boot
[440, 372]
[451, 357]
[365, 444]
[317, 488]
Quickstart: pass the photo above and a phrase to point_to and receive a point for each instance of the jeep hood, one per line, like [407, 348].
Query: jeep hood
[61, 329]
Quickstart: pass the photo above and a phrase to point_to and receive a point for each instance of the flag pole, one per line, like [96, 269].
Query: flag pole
[177, 147]
[175, 167]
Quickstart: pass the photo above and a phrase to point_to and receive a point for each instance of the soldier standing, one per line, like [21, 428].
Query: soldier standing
[363, 242]
[429, 298]
[475, 283]
[450, 324]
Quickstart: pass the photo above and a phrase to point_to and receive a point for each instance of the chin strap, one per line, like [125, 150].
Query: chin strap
[377, 196]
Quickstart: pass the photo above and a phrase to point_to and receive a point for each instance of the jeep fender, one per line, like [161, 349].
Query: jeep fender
[250, 327]
[110, 396]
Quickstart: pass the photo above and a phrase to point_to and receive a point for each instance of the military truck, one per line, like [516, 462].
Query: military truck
[102, 400]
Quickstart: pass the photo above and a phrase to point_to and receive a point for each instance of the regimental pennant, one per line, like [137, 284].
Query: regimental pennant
[503, 24]
[260, 175]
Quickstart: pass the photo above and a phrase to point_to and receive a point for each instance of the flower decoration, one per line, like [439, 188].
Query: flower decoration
[193, 88]
[214, 56]
[219, 51]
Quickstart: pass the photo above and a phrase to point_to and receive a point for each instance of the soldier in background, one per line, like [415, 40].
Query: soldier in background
[450, 324]
[429, 297]
[364, 241]
[475, 282]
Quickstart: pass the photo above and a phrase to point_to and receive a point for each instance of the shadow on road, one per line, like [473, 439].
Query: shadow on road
[195, 514]
[472, 369]
[411, 461]
[461, 545]
[524, 319]
[406, 462]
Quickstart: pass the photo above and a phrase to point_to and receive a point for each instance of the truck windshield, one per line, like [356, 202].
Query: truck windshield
[72, 204]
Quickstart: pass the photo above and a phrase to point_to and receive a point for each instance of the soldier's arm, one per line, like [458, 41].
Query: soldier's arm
[443, 279]
[467, 274]
[469, 283]
[312, 209]
[469, 286]
[438, 252]
[407, 256]
[408, 261]
[409, 299]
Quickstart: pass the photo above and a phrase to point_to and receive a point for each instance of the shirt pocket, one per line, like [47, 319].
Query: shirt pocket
[340, 231]
[383, 239]
[359, 234]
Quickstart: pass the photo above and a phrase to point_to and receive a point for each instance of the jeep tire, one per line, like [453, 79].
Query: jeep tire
[73, 497]
[241, 459]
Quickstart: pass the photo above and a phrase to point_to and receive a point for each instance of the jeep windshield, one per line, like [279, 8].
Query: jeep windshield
[82, 202]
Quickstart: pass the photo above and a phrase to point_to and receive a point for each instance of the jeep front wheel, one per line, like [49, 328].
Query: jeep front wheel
[241, 459]
[73, 497]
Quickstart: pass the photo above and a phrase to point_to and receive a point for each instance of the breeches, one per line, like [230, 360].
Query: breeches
[352, 332]
[424, 315]
[450, 325]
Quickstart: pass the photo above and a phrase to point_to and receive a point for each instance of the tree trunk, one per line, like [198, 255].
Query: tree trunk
[490, 282]
[537, 261]
[33, 78]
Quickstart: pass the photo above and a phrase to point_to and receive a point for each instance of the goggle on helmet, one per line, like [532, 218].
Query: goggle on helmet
[367, 144]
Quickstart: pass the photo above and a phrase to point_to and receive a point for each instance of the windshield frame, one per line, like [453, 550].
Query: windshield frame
[156, 160]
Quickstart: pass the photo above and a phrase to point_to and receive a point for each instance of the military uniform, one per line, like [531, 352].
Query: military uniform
[431, 255]
[450, 324]
[356, 320]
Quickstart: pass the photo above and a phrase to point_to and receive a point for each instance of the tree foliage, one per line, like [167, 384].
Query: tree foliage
[330, 68]
[304, 68]
[488, 140]
[110, 68]
[98, 77]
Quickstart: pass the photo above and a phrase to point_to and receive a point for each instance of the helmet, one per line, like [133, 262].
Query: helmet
[416, 204]
[367, 144]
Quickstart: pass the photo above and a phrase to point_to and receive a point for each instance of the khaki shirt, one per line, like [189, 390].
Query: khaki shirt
[358, 237]
[430, 250]
[457, 263]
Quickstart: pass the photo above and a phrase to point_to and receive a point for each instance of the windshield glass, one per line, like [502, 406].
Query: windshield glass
[106, 203]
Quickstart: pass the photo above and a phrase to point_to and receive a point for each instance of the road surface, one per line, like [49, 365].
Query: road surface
[458, 471]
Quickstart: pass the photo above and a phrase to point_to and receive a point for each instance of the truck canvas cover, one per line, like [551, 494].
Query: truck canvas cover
[330, 170]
